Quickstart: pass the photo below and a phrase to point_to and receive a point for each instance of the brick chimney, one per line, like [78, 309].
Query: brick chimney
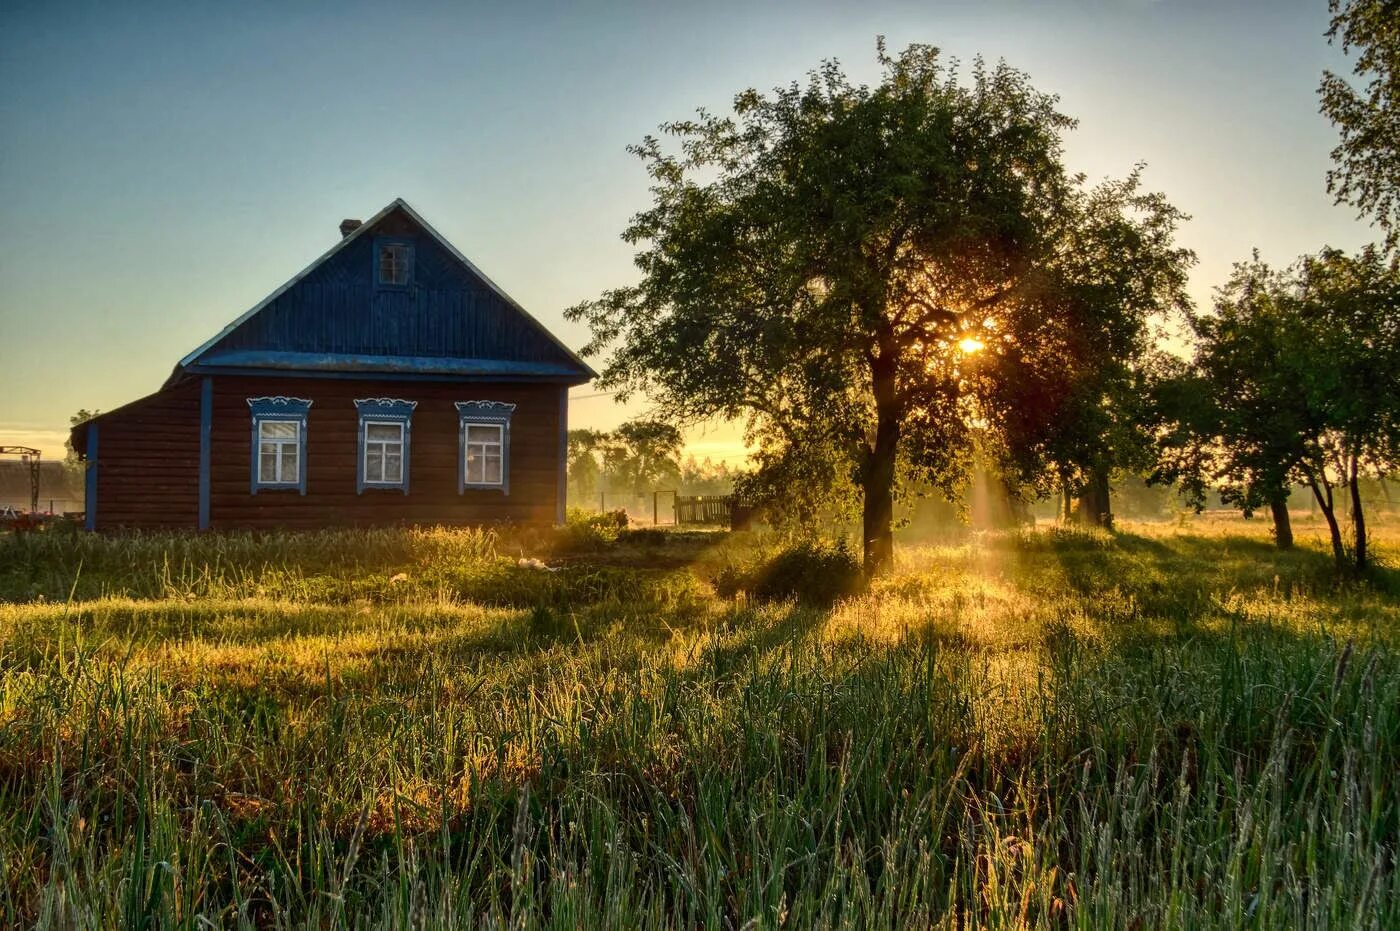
[347, 227]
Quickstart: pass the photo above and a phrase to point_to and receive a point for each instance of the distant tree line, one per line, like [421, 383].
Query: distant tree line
[638, 458]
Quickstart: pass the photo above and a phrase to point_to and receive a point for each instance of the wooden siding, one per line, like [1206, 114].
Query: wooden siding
[148, 463]
[332, 448]
[446, 310]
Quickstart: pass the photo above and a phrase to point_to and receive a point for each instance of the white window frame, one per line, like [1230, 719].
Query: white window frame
[395, 411]
[483, 413]
[279, 409]
[499, 446]
[280, 478]
[384, 446]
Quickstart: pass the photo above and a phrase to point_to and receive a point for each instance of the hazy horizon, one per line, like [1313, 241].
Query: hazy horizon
[164, 168]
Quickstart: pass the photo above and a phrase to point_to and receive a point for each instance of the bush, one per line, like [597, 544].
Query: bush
[811, 571]
[585, 530]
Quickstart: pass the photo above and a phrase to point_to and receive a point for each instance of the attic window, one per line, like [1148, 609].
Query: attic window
[395, 264]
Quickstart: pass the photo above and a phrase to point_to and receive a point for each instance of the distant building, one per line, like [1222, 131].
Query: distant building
[390, 382]
[60, 487]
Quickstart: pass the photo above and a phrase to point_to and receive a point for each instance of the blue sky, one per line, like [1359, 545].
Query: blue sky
[164, 167]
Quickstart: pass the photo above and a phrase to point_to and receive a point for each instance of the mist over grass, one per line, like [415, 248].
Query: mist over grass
[1177, 726]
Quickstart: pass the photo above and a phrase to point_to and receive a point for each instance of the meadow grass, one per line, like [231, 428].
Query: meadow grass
[1176, 726]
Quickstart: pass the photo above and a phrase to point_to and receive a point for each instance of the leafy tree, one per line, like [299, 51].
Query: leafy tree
[644, 455]
[1296, 378]
[1234, 419]
[1116, 270]
[705, 477]
[1367, 172]
[1350, 307]
[583, 463]
[638, 457]
[835, 264]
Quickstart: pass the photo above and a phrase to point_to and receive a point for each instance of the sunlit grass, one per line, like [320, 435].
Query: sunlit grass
[1174, 726]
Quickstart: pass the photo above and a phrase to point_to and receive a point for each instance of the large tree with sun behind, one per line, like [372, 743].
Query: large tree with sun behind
[874, 278]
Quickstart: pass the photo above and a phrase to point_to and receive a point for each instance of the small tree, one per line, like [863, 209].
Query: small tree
[1367, 172]
[583, 463]
[1350, 309]
[1296, 377]
[1232, 420]
[645, 456]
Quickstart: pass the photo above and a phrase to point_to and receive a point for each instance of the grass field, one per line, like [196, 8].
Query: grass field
[1174, 727]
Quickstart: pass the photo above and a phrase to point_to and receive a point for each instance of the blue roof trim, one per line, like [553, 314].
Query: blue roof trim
[374, 364]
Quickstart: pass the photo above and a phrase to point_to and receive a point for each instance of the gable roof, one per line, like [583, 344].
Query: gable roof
[428, 335]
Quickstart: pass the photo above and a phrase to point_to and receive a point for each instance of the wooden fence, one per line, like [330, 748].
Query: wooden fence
[705, 509]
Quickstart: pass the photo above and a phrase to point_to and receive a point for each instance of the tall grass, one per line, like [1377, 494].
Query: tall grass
[1023, 731]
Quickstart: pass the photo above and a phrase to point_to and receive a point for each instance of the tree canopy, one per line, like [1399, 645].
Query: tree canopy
[1366, 173]
[1296, 379]
[872, 276]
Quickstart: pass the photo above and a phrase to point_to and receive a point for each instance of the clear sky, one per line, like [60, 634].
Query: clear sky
[164, 167]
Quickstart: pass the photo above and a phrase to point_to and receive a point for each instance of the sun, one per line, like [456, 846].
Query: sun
[971, 344]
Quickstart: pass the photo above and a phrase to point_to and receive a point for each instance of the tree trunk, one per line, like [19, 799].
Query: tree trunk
[1324, 504]
[1066, 504]
[1358, 518]
[1018, 508]
[878, 516]
[1095, 507]
[1283, 526]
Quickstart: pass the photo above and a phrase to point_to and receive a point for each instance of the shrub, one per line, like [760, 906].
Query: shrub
[584, 530]
[810, 571]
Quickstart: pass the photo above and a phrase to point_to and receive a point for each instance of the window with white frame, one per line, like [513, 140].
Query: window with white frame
[279, 452]
[484, 437]
[384, 453]
[278, 443]
[386, 432]
[485, 444]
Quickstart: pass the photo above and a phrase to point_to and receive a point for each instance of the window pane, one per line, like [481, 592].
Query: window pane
[393, 466]
[479, 433]
[267, 462]
[393, 264]
[383, 431]
[289, 463]
[493, 470]
[277, 429]
[374, 464]
[475, 470]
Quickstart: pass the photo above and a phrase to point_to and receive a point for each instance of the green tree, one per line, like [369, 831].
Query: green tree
[1235, 419]
[1296, 377]
[1350, 307]
[828, 262]
[584, 464]
[705, 477]
[1071, 420]
[1367, 171]
[644, 456]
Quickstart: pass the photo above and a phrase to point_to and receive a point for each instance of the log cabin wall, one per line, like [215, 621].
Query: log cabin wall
[146, 474]
[332, 451]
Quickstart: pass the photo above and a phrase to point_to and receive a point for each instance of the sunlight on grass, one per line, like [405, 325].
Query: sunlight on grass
[1174, 725]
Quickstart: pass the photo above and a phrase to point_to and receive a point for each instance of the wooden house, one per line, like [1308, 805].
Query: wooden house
[389, 382]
